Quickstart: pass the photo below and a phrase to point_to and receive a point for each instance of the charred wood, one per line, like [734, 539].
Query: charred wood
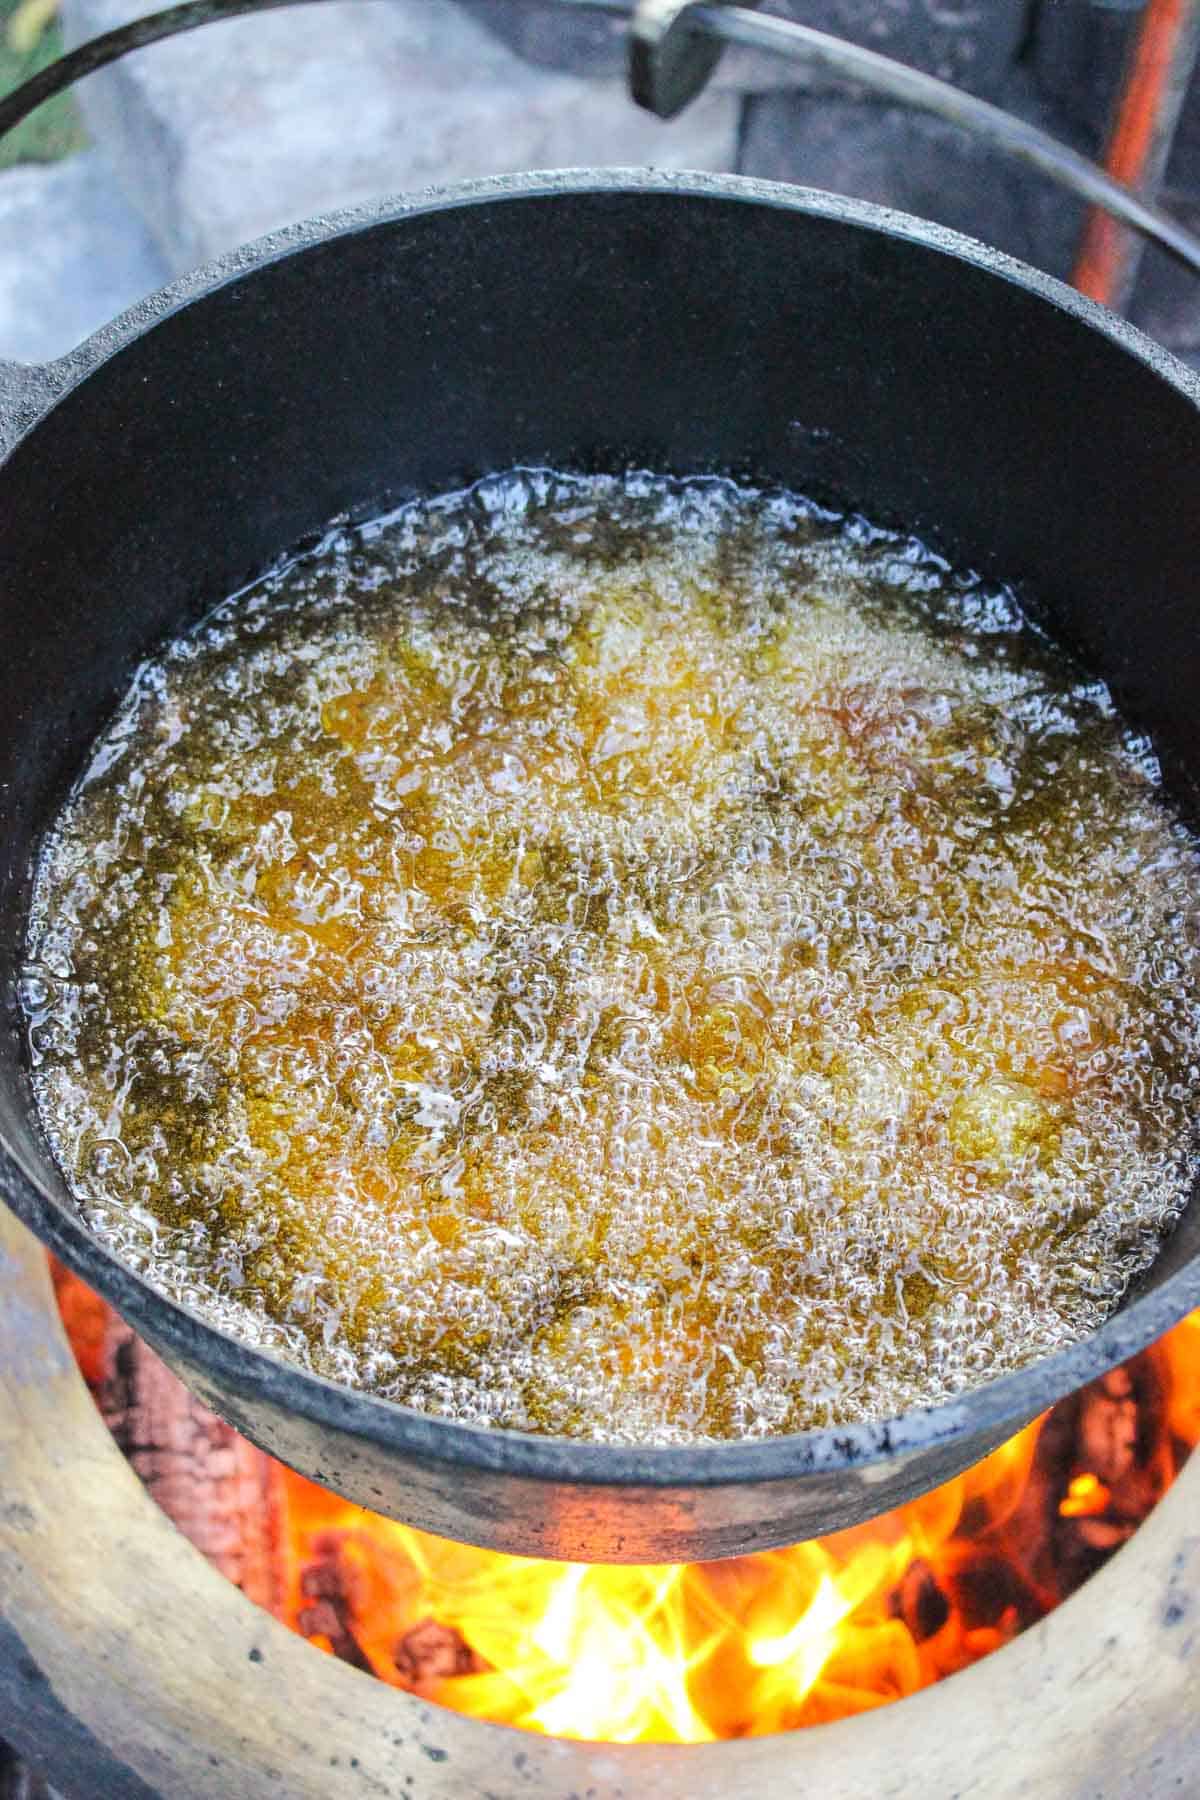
[220, 1491]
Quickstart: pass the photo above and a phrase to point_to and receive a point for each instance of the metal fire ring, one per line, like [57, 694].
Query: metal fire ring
[674, 47]
[131, 1670]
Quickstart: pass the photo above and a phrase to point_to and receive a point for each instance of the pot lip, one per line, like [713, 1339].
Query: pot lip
[49, 381]
[251, 1374]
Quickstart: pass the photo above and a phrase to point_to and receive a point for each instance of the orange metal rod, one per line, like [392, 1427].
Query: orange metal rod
[1160, 66]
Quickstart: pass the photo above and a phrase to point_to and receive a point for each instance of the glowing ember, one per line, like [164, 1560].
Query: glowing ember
[767, 1643]
[1085, 1496]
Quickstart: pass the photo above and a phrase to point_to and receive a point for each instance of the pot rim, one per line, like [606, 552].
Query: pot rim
[255, 1374]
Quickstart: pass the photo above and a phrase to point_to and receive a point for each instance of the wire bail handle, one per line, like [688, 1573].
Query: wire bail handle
[675, 45]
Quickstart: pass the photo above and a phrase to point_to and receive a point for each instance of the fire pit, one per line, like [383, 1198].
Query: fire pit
[133, 1667]
[687, 1653]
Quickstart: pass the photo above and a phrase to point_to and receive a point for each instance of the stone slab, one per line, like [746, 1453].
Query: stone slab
[73, 254]
[247, 125]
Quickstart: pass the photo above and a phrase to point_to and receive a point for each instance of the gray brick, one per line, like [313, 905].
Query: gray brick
[915, 163]
[251, 124]
[1078, 51]
[1166, 302]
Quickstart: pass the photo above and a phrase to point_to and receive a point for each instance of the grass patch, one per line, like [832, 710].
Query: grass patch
[55, 129]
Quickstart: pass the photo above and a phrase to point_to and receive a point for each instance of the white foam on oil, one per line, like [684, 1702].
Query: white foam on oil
[638, 959]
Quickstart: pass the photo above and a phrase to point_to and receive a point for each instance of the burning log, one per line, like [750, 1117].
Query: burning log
[329, 1583]
[222, 1493]
[1104, 1458]
[920, 1601]
[344, 1611]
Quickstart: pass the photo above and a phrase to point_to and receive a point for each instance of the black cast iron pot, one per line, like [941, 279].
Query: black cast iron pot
[583, 321]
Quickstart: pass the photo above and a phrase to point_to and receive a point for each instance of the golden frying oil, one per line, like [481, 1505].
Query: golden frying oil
[636, 959]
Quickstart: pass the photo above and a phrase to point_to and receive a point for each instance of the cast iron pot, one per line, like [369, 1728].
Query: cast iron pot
[587, 321]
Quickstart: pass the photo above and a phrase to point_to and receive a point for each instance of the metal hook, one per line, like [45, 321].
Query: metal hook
[670, 57]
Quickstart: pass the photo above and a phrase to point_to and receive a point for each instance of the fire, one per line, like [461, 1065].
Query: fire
[796, 1637]
[683, 1653]
[766, 1643]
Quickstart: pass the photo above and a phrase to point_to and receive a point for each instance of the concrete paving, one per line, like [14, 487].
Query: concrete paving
[73, 254]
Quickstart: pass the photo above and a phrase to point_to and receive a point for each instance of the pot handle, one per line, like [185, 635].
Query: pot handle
[668, 68]
[673, 48]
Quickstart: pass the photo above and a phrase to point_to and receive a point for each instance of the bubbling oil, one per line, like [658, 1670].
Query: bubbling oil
[637, 959]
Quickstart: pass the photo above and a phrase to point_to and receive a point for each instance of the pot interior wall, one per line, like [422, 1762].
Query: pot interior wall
[689, 331]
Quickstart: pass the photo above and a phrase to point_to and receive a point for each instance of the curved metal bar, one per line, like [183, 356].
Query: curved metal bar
[98, 52]
[819, 53]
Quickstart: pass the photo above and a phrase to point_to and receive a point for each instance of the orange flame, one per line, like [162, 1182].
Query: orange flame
[676, 1653]
[761, 1644]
